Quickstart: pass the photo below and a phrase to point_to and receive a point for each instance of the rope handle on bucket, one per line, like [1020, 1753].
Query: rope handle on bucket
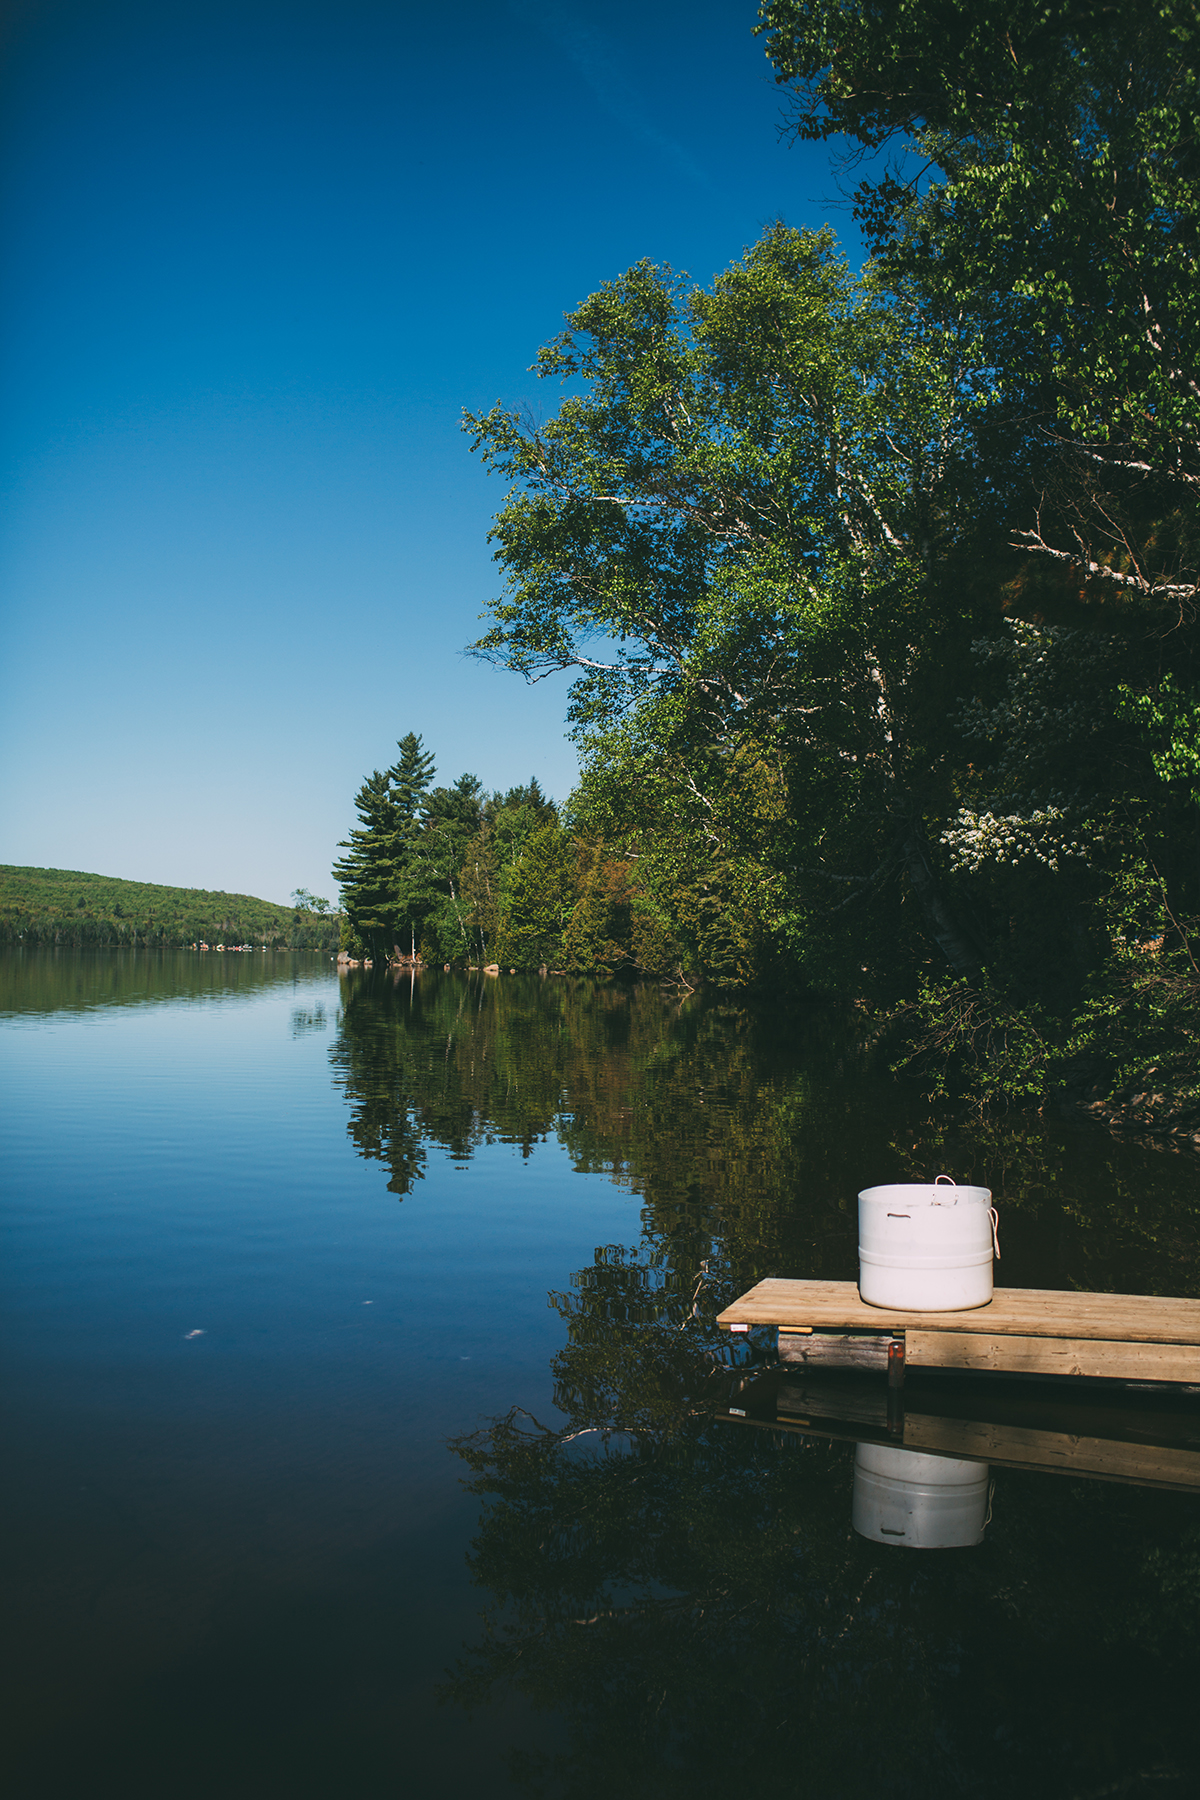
[993, 1215]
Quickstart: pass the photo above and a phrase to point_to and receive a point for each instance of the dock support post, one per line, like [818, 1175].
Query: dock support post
[895, 1388]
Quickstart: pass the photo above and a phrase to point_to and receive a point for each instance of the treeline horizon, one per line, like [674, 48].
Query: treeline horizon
[75, 909]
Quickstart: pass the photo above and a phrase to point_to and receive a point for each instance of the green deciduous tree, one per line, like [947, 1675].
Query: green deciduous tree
[744, 531]
[1044, 177]
[451, 818]
[1035, 167]
[540, 893]
[312, 903]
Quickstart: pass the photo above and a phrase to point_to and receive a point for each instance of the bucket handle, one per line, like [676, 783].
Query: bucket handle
[994, 1216]
[938, 1179]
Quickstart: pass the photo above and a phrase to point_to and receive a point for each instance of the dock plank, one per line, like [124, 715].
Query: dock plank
[1016, 1355]
[1021, 1312]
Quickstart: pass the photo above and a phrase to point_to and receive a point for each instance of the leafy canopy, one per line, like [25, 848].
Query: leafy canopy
[1043, 175]
[744, 530]
[731, 464]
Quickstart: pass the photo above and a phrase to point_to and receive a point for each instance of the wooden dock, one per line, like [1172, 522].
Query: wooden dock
[1028, 1331]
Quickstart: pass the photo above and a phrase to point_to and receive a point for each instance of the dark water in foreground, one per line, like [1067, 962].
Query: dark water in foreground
[284, 1255]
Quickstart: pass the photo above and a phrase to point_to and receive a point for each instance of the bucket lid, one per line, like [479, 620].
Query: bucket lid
[942, 1192]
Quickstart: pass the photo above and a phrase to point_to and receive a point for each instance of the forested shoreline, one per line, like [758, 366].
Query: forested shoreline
[457, 875]
[878, 590]
[77, 910]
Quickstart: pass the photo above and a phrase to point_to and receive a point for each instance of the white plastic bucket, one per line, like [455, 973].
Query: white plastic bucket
[916, 1501]
[926, 1247]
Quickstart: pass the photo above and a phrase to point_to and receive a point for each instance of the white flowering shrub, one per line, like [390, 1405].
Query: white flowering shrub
[1044, 835]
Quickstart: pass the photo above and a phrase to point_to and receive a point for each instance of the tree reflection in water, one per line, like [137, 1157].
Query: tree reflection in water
[746, 1134]
[690, 1599]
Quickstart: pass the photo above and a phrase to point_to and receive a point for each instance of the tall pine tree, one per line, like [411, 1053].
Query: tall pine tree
[383, 893]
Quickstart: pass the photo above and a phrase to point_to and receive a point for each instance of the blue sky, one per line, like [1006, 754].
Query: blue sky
[261, 256]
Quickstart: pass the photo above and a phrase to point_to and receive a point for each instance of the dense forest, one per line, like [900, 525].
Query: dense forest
[879, 590]
[68, 907]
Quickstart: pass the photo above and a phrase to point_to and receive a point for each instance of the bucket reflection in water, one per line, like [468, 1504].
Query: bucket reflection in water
[921, 1502]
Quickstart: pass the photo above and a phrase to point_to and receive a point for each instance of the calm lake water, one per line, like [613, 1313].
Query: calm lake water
[362, 1408]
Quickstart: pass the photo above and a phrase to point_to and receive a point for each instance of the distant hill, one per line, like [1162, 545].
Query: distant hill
[67, 906]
